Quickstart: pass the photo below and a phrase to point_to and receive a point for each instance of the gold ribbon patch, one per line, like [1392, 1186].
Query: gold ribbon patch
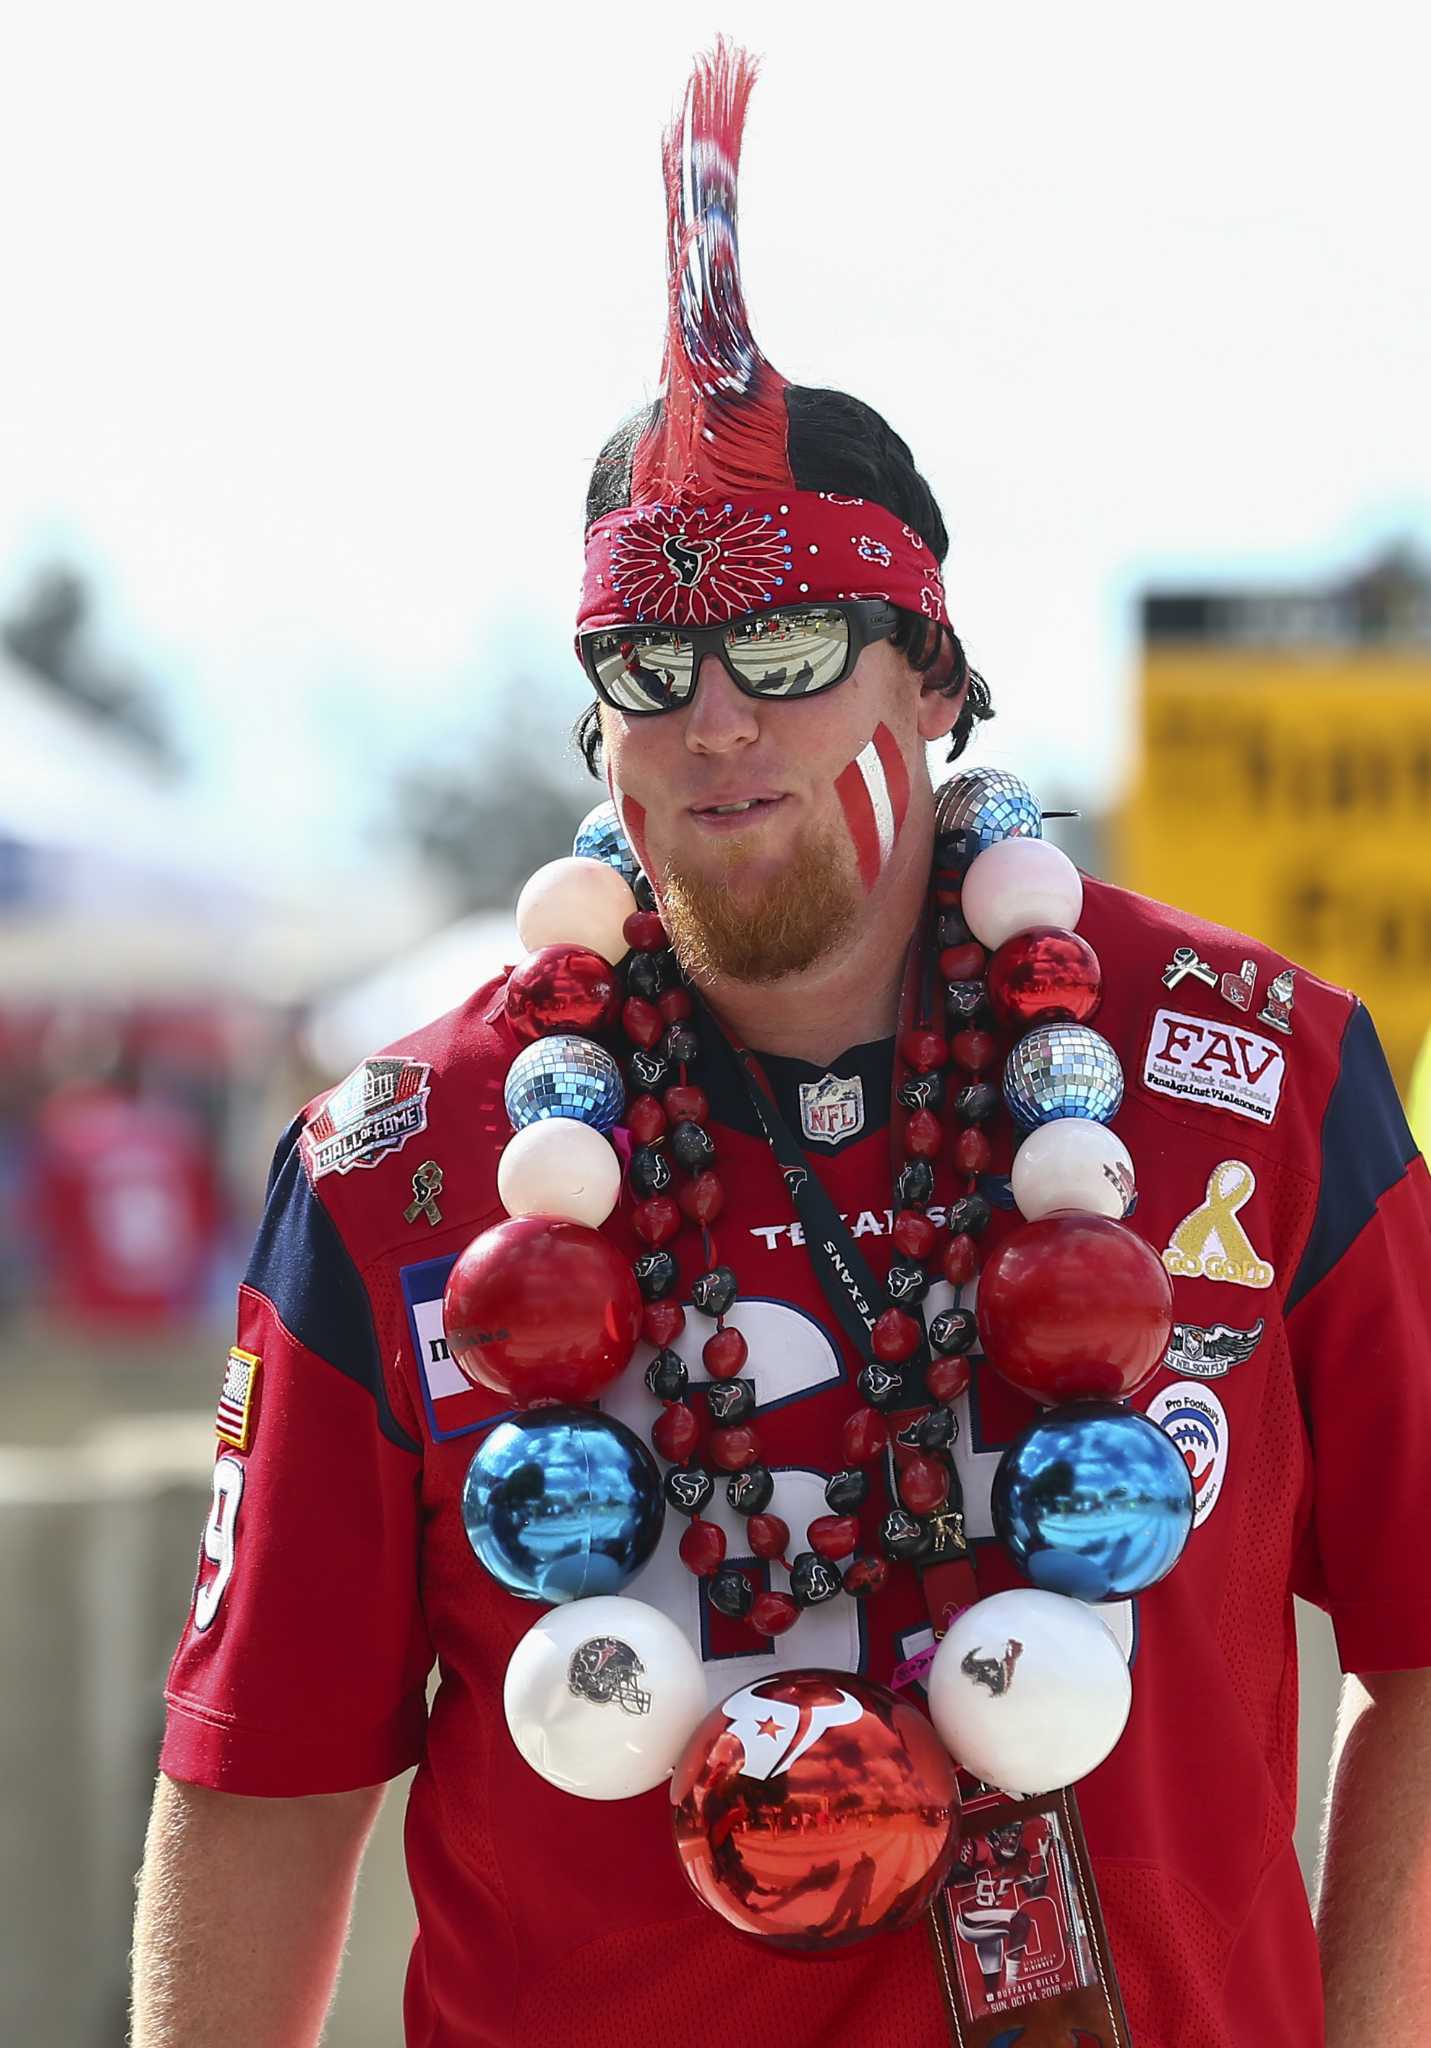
[1211, 1244]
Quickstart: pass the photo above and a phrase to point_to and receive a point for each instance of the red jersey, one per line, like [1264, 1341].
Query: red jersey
[1278, 1180]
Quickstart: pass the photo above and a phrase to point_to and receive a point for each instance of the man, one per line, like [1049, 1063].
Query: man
[789, 832]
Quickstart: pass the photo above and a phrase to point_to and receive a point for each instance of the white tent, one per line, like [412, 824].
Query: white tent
[423, 982]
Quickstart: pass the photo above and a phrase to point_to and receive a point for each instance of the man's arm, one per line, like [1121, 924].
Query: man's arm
[243, 1910]
[1374, 1913]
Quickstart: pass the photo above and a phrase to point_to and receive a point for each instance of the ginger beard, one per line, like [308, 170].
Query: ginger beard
[720, 927]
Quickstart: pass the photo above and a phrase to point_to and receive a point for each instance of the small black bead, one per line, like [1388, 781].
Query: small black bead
[813, 1579]
[656, 1274]
[750, 1492]
[936, 1430]
[976, 1103]
[730, 1401]
[915, 1185]
[969, 1216]
[681, 1046]
[649, 1172]
[666, 1375]
[649, 975]
[643, 892]
[688, 1489]
[731, 1592]
[846, 1491]
[953, 1332]
[714, 1293]
[907, 1282]
[952, 930]
[963, 1001]
[647, 1072]
[922, 1091]
[693, 1147]
[957, 851]
[903, 1536]
[880, 1387]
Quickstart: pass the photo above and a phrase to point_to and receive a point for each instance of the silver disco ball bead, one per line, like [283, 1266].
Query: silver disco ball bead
[989, 804]
[565, 1075]
[1062, 1070]
[599, 837]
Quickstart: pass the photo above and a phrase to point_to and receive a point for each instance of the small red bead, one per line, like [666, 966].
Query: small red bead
[703, 1547]
[947, 1378]
[656, 1220]
[686, 1104]
[645, 1119]
[962, 963]
[894, 1337]
[662, 1322]
[702, 1199]
[834, 1535]
[641, 1021]
[644, 932]
[922, 1134]
[676, 1432]
[734, 1448]
[975, 1050]
[675, 1005]
[863, 1436]
[923, 1049]
[961, 1260]
[769, 1536]
[914, 1234]
[948, 895]
[772, 1613]
[923, 1485]
[867, 1575]
[724, 1354]
[972, 1151]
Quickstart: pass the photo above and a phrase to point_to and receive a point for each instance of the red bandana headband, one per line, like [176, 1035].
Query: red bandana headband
[701, 564]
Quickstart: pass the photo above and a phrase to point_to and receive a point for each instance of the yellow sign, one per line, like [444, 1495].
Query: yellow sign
[1287, 793]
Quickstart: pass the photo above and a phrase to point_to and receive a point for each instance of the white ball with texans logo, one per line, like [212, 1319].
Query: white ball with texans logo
[1029, 1691]
[1073, 1163]
[601, 1697]
[576, 902]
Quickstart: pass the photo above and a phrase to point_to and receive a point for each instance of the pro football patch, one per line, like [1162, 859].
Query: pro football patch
[375, 1111]
[1197, 1423]
[1222, 1066]
[234, 1421]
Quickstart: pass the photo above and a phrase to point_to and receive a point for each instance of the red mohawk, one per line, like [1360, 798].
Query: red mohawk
[722, 423]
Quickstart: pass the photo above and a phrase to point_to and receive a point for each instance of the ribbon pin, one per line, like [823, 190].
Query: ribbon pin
[1185, 962]
[426, 1187]
[1211, 1243]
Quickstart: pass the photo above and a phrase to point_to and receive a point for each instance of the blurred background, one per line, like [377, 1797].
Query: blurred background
[314, 323]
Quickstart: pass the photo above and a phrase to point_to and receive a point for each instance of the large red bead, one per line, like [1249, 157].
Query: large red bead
[562, 988]
[686, 1104]
[914, 1234]
[539, 1309]
[975, 1050]
[734, 1448]
[866, 1575]
[947, 1378]
[702, 1199]
[645, 1119]
[923, 1484]
[814, 1810]
[1075, 1307]
[641, 1021]
[772, 1614]
[662, 1322]
[922, 1134]
[895, 1336]
[724, 1354]
[834, 1535]
[702, 1544]
[1044, 976]
[644, 932]
[962, 963]
[769, 1537]
[676, 1432]
[863, 1436]
[972, 1150]
[675, 1006]
[924, 1049]
[656, 1220]
[961, 1260]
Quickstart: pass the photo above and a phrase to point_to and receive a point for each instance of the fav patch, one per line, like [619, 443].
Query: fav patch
[375, 1111]
[1211, 1244]
[1206, 1354]
[1224, 1066]
[832, 1109]
[1195, 1420]
[234, 1422]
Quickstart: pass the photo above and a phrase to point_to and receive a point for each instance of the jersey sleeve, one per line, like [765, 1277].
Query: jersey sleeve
[1358, 1319]
[303, 1662]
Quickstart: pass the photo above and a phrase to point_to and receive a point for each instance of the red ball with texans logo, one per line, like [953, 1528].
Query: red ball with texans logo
[562, 988]
[538, 1309]
[814, 1809]
[1075, 1308]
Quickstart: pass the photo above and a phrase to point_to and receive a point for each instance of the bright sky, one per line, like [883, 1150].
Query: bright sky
[316, 315]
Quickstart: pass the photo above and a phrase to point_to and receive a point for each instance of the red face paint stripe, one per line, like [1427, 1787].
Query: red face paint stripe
[860, 817]
[895, 773]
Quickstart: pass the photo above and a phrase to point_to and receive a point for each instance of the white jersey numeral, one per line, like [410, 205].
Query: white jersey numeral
[219, 1533]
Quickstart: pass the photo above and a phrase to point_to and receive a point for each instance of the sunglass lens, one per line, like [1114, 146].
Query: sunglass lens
[791, 653]
[642, 671]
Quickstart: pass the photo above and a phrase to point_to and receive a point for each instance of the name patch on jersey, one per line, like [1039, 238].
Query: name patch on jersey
[1206, 1354]
[1197, 1423]
[1224, 1066]
[832, 1109]
[234, 1422]
[375, 1111]
[454, 1406]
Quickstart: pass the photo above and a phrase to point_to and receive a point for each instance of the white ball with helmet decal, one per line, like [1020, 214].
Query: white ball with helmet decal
[601, 1697]
[1073, 1163]
[559, 1167]
[1029, 1690]
[576, 902]
[1017, 884]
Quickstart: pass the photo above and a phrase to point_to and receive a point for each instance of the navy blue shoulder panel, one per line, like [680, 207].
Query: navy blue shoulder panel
[302, 1266]
[1366, 1147]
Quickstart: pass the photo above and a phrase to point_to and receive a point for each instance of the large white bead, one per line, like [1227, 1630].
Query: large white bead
[1029, 1690]
[576, 902]
[1073, 1163]
[602, 1695]
[559, 1167]
[1018, 884]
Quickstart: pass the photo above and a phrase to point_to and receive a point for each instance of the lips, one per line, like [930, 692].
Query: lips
[739, 804]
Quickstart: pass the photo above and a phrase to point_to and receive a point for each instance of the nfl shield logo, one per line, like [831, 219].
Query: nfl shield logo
[832, 1109]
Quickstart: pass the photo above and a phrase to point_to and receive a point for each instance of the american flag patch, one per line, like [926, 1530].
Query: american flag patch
[234, 1420]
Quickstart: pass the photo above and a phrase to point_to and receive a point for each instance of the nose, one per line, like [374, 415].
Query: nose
[721, 716]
